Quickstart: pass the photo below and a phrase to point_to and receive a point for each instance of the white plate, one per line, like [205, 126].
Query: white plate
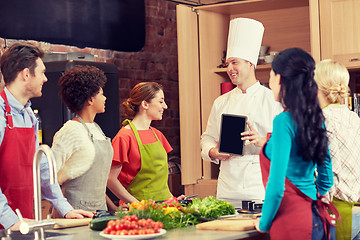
[143, 236]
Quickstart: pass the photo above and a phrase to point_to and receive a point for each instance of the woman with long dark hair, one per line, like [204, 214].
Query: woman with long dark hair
[298, 145]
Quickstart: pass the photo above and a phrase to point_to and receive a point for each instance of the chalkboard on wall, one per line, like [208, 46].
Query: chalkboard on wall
[105, 24]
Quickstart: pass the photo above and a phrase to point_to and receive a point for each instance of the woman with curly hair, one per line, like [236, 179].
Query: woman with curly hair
[343, 131]
[139, 169]
[82, 152]
[298, 145]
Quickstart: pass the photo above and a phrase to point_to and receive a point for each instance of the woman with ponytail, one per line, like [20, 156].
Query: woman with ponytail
[297, 146]
[343, 131]
[139, 169]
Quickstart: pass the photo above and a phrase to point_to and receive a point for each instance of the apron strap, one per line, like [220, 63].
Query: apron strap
[91, 136]
[324, 205]
[127, 121]
[8, 116]
[137, 136]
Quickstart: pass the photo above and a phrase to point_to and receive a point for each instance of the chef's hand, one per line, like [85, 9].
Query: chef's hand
[253, 136]
[79, 213]
[256, 224]
[215, 154]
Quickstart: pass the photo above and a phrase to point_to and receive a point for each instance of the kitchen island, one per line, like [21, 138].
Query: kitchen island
[85, 233]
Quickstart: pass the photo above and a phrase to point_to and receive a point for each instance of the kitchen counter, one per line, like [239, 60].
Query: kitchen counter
[85, 233]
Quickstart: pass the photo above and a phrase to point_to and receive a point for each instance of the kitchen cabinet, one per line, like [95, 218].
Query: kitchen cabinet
[202, 38]
[340, 31]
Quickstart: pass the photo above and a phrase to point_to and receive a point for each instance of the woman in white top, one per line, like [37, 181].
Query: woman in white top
[83, 153]
[343, 130]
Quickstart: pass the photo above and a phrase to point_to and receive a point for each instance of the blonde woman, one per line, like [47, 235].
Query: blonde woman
[343, 130]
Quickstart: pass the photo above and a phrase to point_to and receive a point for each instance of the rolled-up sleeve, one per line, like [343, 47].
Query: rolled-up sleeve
[52, 192]
[7, 215]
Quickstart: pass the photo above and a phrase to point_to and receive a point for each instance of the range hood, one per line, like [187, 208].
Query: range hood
[202, 2]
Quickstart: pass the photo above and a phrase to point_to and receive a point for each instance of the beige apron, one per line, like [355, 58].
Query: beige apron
[87, 192]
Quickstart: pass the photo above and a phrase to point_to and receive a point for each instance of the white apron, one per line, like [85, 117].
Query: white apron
[240, 180]
[240, 177]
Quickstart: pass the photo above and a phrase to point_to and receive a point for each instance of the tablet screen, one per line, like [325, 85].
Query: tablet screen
[230, 134]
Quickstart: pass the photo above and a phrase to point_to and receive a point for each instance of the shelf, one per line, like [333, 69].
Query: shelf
[259, 67]
[242, 7]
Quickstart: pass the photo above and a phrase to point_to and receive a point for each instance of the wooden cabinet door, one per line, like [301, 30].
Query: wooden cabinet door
[189, 95]
[340, 31]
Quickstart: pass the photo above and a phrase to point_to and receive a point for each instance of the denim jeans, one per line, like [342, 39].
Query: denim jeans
[355, 229]
[318, 232]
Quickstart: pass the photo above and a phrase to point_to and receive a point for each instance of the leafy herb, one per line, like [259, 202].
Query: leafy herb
[212, 208]
[170, 219]
[177, 215]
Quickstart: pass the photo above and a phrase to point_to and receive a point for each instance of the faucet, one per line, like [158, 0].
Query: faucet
[38, 226]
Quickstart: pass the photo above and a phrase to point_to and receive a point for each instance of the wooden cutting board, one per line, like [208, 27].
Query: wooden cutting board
[67, 223]
[228, 225]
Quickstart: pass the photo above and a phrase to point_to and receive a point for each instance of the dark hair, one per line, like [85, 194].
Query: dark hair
[298, 94]
[144, 91]
[18, 57]
[79, 84]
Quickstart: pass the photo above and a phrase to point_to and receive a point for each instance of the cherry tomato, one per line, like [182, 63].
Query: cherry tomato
[132, 232]
[124, 232]
[141, 222]
[127, 225]
[119, 226]
[134, 225]
[110, 227]
[142, 231]
[159, 225]
[126, 218]
[150, 231]
[134, 218]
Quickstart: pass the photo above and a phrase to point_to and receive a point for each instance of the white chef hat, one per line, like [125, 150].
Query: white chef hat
[244, 40]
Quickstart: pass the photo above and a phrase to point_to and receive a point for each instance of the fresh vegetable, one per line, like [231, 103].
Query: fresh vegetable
[100, 223]
[171, 217]
[212, 208]
[132, 225]
[173, 214]
[172, 201]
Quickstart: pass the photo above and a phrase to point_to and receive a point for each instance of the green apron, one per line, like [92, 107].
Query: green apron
[151, 182]
[343, 230]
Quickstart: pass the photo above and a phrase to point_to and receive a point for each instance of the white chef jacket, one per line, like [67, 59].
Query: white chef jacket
[240, 177]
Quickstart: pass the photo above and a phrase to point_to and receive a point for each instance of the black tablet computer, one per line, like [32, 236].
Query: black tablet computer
[230, 134]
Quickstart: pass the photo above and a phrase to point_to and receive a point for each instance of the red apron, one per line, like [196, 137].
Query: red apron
[293, 219]
[16, 165]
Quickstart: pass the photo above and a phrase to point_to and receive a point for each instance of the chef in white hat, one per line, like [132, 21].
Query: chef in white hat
[240, 176]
